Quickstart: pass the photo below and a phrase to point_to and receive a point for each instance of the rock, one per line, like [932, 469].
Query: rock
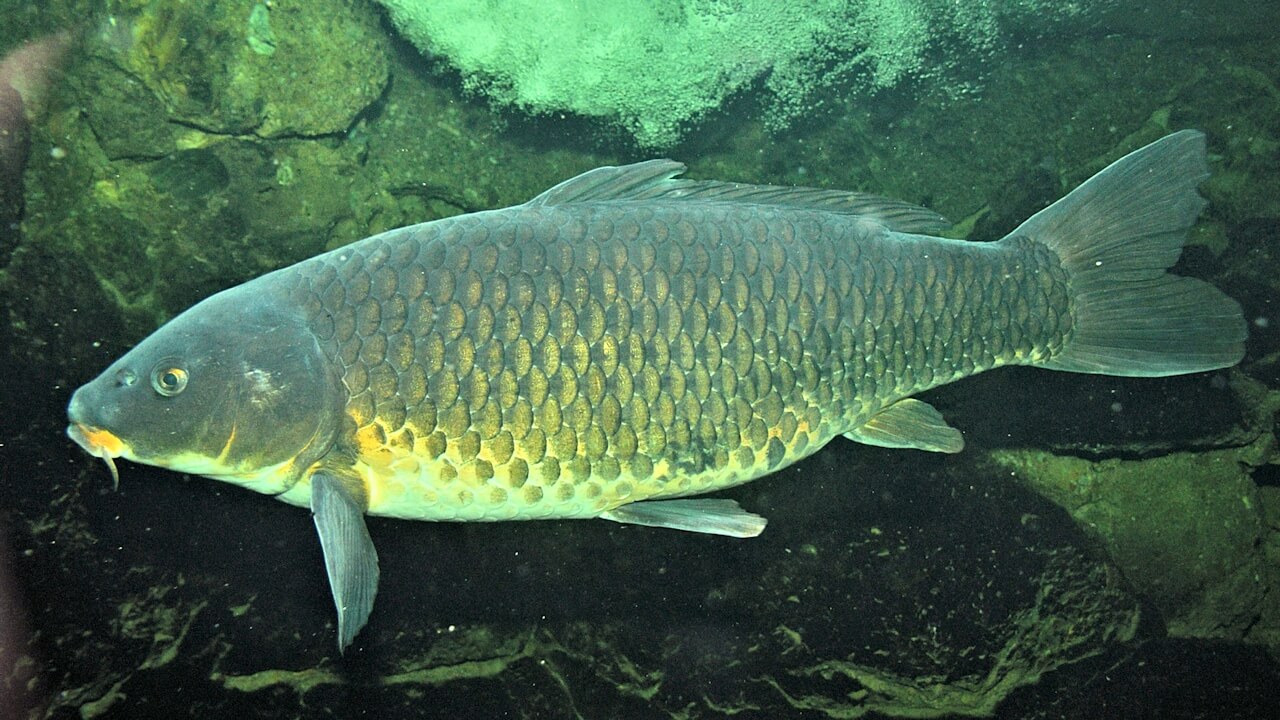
[285, 69]
[1185, 529]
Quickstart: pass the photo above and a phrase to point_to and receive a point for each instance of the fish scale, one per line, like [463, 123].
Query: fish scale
[627, 337]
[562, 361]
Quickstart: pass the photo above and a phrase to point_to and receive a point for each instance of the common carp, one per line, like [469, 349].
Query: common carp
[628, 339]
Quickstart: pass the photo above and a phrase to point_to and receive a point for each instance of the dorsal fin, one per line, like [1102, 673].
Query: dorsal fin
[621, 182]
[654, 180]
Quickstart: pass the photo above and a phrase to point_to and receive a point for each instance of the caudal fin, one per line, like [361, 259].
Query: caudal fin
[1116, 235]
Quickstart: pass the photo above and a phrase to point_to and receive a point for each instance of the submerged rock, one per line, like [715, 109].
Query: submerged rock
[1186, 529]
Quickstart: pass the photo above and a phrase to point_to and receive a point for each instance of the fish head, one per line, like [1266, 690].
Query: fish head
[236, 388]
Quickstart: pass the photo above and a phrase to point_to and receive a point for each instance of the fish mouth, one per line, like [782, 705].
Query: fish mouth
[101, 444]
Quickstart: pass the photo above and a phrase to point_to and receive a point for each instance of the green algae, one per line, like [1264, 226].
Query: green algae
[1184, 528]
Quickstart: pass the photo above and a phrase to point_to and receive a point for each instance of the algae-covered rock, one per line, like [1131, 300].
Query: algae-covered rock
[1186, 529]
[173, 163]
[655, 68]
[284, 68]
[160, 234]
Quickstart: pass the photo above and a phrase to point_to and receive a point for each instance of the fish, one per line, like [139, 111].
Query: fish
[629, 340]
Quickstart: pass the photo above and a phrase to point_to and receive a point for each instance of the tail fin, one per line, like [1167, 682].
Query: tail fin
[1116, 235]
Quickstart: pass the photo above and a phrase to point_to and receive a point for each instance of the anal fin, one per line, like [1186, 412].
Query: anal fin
[349, 556]
[912, 424]
[714, 516]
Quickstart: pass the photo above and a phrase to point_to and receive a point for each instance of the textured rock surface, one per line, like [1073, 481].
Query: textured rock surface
[1186, 529]
[278, 69]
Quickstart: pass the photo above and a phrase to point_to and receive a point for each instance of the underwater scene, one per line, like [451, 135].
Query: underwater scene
[571, 360]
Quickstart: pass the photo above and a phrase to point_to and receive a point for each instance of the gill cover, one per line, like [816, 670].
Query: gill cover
[234, 385]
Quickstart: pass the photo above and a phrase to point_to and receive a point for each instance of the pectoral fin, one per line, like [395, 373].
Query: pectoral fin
[911, 424]
[714, 516]
[349, 555]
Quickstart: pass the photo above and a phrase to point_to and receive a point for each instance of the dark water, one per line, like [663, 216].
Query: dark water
[1104, 547]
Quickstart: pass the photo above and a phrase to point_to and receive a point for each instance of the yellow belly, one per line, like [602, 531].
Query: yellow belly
[418, 489]
[416, 477]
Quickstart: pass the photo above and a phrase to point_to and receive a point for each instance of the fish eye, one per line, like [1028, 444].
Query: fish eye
[168, 380]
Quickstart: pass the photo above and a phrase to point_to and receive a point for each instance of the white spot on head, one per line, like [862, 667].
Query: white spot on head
[261, 389]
